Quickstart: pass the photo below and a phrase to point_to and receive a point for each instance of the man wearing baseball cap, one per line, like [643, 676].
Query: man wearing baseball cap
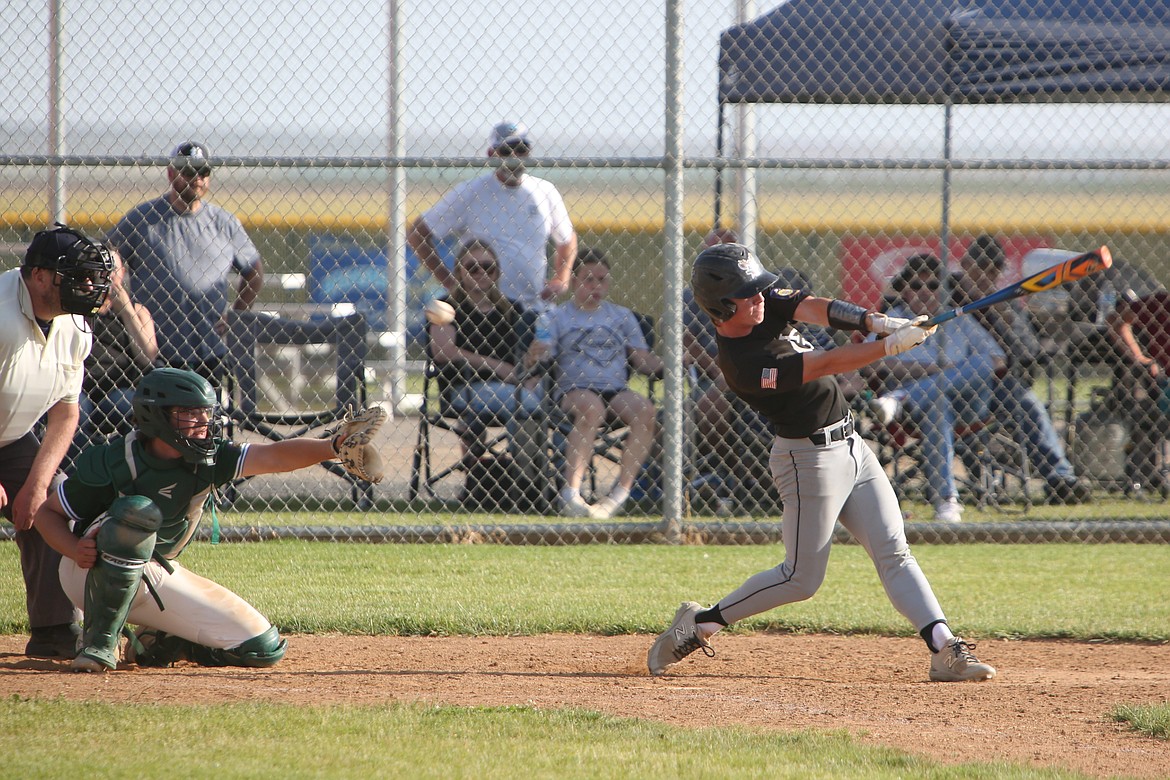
[180, 250]
[513, 212]
[44, 341]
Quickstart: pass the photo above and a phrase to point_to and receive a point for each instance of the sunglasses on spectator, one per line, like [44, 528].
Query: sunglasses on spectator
[507, 150]
[918, 284]
[479, 268]
[192, 173]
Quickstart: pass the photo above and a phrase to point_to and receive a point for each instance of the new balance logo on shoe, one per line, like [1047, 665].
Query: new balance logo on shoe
[957, 663]
[678, 641]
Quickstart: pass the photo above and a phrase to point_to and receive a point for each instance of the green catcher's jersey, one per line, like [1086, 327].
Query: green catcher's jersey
[123, 467]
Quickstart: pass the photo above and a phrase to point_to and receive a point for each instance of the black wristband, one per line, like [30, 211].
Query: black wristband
[333, 444]
[844, 315]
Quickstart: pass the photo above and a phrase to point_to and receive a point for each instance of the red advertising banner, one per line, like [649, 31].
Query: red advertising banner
[869, 262]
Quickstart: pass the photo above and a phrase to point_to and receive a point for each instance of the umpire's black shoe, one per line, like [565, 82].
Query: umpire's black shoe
[59, 641]
[1068, 491]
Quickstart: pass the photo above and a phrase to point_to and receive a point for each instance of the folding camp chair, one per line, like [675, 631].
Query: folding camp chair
[496, 473]
[250, 333]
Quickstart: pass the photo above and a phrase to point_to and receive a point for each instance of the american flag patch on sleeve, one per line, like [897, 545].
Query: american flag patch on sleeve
[768, 378]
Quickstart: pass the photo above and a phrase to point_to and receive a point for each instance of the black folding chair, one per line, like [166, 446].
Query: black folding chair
[251, 332]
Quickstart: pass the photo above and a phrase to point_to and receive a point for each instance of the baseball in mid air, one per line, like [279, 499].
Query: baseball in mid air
[439, 312]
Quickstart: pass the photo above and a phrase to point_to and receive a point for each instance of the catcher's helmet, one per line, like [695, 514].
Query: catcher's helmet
[164, 389]
[727, 271]
[83, 267]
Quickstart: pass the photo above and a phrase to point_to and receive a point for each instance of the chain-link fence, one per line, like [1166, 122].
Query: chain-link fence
[347, 158]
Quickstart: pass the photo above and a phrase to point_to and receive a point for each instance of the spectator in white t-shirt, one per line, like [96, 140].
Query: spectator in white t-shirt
[511, 211]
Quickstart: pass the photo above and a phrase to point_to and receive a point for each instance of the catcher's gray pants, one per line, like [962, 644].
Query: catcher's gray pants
[820, 484]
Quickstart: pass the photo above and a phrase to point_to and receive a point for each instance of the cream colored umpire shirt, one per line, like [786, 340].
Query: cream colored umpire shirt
[35, 371]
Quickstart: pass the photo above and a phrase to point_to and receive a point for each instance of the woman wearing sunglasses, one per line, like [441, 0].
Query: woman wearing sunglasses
[478, 353]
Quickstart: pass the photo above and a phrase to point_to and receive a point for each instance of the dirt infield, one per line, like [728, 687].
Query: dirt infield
[1047, 707]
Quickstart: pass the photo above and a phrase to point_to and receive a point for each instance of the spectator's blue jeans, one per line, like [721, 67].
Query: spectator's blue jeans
[1012, 399]
[481, 404]
[961, 393]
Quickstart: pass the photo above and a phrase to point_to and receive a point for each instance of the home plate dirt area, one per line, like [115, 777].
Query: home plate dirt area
[1047, 707]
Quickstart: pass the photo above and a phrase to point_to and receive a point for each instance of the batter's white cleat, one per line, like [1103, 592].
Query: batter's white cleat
[957, 663]
[678, 641]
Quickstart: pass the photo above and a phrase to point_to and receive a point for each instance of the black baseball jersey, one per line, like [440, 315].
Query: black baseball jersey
[766, 369]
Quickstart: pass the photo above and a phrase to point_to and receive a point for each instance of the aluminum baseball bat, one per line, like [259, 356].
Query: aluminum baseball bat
[1071, 270]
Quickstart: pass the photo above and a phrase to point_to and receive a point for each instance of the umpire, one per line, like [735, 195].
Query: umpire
[822, 468]
[44, 341]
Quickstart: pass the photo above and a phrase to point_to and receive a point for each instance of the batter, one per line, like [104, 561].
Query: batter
[822, 468]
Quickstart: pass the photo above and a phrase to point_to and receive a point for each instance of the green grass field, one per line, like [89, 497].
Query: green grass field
[622, 589]
[495, 590]
[269, 741]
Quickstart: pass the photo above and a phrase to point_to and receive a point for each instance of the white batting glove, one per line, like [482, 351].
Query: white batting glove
[883, 324]
[908, 336]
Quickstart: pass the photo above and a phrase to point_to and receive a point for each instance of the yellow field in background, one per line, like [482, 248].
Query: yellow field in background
[596, 211]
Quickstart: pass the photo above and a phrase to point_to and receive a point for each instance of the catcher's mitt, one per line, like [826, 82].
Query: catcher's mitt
[353, 443]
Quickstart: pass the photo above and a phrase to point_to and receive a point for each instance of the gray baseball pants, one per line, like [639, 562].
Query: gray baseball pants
[821, 484]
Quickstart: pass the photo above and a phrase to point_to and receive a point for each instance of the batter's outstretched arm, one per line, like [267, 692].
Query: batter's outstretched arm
[841, 360]
[843, 315]
[813, 310]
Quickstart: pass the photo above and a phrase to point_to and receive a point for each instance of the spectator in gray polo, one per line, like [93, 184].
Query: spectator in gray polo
[180, 251]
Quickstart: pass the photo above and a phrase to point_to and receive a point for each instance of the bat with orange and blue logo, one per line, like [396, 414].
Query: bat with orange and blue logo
[1070, 270]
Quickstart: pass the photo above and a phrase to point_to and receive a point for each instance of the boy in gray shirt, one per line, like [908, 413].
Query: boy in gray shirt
[595, 343]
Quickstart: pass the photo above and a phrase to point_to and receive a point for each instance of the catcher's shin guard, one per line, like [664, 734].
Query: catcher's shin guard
[159, 649]
[259, 651]
[125, 542]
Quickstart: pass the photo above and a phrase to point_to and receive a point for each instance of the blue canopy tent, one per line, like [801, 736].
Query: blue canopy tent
[945, 52]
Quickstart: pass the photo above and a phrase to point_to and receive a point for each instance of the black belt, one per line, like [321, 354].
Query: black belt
[838, 431]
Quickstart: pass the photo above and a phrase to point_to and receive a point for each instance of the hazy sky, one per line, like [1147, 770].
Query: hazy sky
[292, 68]
[296, 77]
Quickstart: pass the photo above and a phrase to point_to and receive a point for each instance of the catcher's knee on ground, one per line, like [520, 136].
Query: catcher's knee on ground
[156, 648]
[125, 542]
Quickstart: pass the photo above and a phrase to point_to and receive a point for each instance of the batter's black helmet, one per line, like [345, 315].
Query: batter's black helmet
[727, 271]
[83, 267]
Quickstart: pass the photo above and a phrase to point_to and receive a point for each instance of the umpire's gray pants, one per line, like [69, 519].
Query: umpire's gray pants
[46, 602]
[821, 484]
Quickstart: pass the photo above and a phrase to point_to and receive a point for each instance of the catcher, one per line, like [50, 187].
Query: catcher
[134, 505]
